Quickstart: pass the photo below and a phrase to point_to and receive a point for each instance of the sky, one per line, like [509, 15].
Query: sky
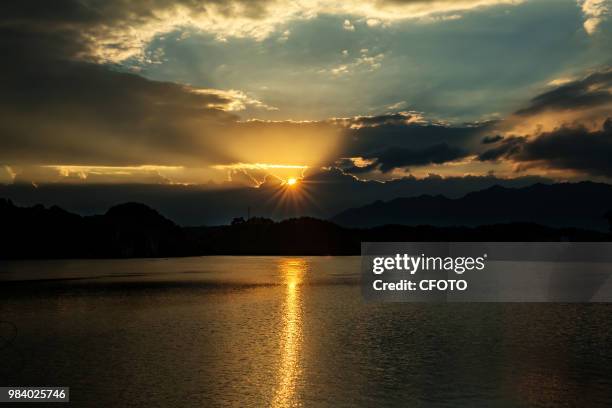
[219, 95]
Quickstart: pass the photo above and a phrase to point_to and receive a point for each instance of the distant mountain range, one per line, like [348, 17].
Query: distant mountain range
[135, 230]
[579, 205]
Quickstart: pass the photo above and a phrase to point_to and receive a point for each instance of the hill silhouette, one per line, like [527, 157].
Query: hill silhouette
[126, 230]
[135, 230]
[579, 205]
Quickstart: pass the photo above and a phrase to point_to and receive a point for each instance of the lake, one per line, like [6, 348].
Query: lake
[284, 332]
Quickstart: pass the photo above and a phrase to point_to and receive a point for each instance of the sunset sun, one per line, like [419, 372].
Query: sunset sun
[292, 182]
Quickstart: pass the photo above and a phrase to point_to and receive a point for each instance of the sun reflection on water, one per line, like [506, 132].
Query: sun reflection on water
[292, 273]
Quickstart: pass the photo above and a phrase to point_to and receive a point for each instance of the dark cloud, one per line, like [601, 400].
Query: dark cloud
[592, 91]
[367, 140]
[349, 166]
[491, 139]
[392, 143]
[575, 149]
[79, 113]
[55, 108]
[85, 14]
[398, 157]
[505, 149]
[59, 106]
[567, 128]
[567, 148]
[358, 122]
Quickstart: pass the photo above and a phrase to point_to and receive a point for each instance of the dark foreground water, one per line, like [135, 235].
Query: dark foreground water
[276, 331]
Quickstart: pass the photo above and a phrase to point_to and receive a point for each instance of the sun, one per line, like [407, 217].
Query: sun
[291, 182]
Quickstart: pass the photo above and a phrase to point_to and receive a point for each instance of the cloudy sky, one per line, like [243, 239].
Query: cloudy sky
[247, 94]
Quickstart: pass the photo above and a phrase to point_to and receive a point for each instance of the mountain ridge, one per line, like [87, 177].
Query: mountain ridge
[579, 205]
[132, 230]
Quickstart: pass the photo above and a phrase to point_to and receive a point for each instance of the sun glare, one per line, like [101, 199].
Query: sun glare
[291, 182]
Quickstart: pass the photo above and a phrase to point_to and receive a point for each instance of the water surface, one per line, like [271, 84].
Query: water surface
[282, 331]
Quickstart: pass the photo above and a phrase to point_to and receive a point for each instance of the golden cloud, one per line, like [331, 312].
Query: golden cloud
[134, 24]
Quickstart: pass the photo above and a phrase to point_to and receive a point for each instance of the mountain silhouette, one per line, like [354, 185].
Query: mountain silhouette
[136, 230]
[126, 230]
[579, 205]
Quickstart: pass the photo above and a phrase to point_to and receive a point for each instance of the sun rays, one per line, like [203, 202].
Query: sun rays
[292, 196]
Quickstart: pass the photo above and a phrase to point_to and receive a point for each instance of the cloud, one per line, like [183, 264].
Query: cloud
[397, 105]
[594, 90]
[506, 149]
[491, 139]
[284, 36]
[399, 118]
[364, 63]
[356, 165]
[595, 12]
[61, 110]
[79, 113]
[411, 133]
[7, 175]
[115, 30]
[571, 122]
[93, 174]
[567, 129]
[560, 81]
[575, 149]
[383, 143]
[583, 102]
[348, 26]
[57, 109]
[572, 149]
[234, 100]
[398, 157]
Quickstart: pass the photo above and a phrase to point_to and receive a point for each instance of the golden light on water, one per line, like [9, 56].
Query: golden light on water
[292, 273]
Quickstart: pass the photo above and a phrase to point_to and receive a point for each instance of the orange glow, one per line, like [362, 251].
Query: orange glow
[291, 182]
